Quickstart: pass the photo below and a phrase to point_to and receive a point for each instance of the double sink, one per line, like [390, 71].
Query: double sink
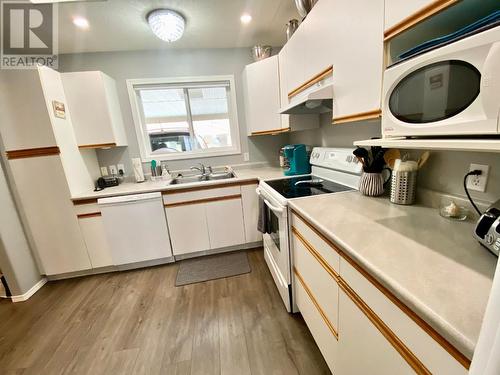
[181, 179]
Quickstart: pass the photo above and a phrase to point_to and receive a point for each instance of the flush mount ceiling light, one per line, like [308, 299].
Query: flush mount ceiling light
[81, 22]
[166, 24]
[245, 18]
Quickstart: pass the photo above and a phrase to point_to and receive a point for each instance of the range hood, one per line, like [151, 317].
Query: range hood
[315, 101]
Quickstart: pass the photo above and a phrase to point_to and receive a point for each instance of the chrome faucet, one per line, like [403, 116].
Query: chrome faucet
[201, 168]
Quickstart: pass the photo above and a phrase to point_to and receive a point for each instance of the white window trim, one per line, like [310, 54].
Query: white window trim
[136, 115]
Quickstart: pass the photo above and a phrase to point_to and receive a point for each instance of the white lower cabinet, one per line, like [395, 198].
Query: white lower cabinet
[326, 341]
[363, 349]
[188, 228]
[225, 222]
[206, 219]
[377, 333]
[95, 239]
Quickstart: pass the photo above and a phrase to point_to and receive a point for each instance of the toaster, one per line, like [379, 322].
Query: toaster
[487, 230]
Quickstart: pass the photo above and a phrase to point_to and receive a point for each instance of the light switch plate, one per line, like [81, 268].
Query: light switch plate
[246, 156]
[104, 171]
[478, 183]
[113, 170]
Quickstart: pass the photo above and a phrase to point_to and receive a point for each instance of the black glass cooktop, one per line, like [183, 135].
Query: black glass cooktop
[289, 188]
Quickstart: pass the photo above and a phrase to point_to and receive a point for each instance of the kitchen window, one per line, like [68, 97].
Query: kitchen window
[182, 118]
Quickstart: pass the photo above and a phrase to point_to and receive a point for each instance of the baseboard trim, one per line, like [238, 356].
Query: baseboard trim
[35, 288]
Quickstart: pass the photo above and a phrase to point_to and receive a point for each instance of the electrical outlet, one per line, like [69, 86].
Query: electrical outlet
[478, 183]
[104, 171]
[246, 156]
[121, 168]
[113, 170]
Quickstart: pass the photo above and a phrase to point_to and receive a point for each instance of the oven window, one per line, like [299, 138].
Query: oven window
[435, 92]
[274, 227]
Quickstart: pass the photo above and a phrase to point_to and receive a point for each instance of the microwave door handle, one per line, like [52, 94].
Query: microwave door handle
[273, 208]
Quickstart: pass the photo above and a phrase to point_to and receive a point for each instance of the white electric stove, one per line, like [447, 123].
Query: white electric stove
[334, 170]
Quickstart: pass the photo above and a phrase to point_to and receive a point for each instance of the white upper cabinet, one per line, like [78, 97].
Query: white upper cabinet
[397, 11]
[95, 109]
[358, 60]
[262, 96]
[318, 40]
[293, 60]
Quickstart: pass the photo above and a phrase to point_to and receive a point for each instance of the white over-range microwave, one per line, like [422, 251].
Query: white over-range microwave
[452, 90]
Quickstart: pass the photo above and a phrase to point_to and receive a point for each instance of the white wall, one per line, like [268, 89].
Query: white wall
[174, 63]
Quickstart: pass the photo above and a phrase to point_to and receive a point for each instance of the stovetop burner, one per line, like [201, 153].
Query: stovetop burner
[288, 188]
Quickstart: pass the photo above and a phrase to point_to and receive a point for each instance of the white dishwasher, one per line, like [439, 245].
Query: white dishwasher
[136, 229]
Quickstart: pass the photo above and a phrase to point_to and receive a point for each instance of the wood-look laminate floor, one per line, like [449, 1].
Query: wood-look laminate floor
[138, 322]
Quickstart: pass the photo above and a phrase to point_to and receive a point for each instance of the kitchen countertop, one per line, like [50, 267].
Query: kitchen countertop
[430, 263]
[260, 172]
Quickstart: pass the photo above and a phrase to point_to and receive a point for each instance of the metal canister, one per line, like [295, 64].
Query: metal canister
[291, 27]
[403, 187]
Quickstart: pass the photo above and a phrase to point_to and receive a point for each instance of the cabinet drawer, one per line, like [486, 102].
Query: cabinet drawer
[317, 241]
[419, 338]
[316, 322]
[318, 276]
[193, 196]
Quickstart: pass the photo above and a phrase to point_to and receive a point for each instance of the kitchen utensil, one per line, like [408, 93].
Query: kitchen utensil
[362, 153]
[260, 52]
[403, 184]
[291, 27]
[423, 159]
[390, 157]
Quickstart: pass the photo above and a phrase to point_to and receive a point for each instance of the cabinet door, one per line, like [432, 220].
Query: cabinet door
[225, 222]
[397, 10]
[46, 202]
[188, 228]
[94, 109]
[295, 60]
[95, 238]
[362, 348]
[357, 65]
[262, 95]
[250, 202]
[319, 38]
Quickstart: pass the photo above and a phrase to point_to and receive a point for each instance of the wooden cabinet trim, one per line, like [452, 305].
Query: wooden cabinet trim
[90, 214]
[271, 132]
[85, 201]
[32, 152]
[396, 343]
[436, 336]
[206, 200]
[369, 115]
[208, 187]
[98, 145]
[316, 255]
[315, 79]
[316, 304]
[417, 17]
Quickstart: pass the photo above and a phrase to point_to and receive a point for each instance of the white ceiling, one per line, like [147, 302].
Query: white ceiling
[120, 25]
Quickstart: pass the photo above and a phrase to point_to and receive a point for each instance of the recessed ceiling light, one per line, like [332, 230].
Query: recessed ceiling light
[81, 22]
[245, 18]
[166, 24]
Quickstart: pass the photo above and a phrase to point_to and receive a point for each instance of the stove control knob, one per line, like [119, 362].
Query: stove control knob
[489, 239]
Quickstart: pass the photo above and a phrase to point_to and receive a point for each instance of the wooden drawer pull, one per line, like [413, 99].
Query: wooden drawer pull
[206, 200]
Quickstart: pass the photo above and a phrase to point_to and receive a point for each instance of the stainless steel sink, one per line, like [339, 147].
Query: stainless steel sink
[199, 178]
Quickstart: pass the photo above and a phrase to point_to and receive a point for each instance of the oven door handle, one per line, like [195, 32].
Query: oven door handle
[278, 210]
[273, 208]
